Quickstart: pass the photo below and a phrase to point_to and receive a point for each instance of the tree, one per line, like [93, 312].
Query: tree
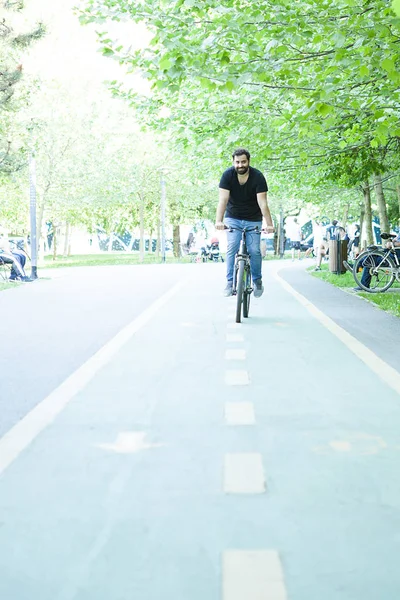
[12, 44]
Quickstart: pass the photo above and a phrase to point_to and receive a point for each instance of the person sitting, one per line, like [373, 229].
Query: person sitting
[16, 258]
[366, 275]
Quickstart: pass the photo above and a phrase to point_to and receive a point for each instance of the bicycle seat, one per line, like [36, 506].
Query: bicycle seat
[374, 247]
[388, 236]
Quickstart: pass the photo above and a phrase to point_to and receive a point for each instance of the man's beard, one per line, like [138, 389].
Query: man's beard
[241, 170]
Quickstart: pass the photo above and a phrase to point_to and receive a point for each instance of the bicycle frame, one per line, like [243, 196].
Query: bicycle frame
[242, 254]
[242, 285]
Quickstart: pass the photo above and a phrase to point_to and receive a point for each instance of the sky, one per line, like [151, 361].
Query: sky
[70, 51]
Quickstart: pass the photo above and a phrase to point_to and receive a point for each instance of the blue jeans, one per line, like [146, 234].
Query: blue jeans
[252, 243]
[366, 277]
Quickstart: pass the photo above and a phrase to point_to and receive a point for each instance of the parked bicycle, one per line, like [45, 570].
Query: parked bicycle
[242, 282]
[382, 264]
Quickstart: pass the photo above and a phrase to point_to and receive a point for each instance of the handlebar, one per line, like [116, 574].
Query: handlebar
[230, 228]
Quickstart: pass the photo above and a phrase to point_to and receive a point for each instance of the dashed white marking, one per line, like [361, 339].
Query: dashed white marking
[252, 575]
[44, 413]
[235, 354]
[237, 377]
[129, 442]
[244, 474]
[234, 337]
[387, 373]
[340, 446]
[234, 325]
[239, 413]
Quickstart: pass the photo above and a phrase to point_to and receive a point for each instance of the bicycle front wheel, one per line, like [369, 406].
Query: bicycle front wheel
[381, 270]
[239, 290]
[247, 293]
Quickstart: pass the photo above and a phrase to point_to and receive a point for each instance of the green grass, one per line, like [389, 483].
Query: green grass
[388, 301]
[345, 280]
[4, 285]
[115, 258]
[105, 258]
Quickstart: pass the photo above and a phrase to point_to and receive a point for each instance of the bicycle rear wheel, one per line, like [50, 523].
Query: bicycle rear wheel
[239, 290]
[381, 269]
[247, 293]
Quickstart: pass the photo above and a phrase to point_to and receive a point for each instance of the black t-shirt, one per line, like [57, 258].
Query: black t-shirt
[243, 198]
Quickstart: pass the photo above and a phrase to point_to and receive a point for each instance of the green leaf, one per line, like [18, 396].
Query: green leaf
[324, 109]
[396, 7]
[165, 63]
[364, 71]
[388, 65]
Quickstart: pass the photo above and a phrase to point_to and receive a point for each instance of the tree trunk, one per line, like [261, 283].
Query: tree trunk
[398, 198]
[66, 239]
[382, 208]
[54, 242]
[177, 240]
[158, 245]
[69, 240]
[111, 240]
[362, 219]
[141, 226]
[369, 236]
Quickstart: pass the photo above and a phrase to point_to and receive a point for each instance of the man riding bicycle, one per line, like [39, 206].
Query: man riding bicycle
[243, 201]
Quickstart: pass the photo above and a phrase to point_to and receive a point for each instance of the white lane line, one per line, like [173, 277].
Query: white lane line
[234, 337]
[237, 377]
[234, 325]
[252, 575]
[44, 413]
[239, 413]
[243, 474]
[341, 446]
[235, 354]
[387, 373]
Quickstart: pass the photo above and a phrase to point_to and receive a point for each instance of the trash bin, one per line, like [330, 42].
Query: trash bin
[337, 254]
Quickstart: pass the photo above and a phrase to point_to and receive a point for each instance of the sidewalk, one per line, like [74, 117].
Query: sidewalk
[376, 329]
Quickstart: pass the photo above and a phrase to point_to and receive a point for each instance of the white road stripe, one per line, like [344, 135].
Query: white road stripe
[234, 337]
[234, 325]
[237, 377]
[387, 373]
[252, 575]
[235, 354]
[239, 413]
[243, 474]
[44, 413]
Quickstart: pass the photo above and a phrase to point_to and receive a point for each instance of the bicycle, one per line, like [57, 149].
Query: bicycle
[242, 284]
[383, 265]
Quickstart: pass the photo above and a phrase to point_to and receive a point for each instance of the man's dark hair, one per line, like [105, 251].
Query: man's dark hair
[241, 151]
[334, 222]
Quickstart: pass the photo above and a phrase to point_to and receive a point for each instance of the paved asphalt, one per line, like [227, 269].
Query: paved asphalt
[205, 460]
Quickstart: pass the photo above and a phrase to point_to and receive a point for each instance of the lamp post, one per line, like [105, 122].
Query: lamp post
[281, 234]
[32, 206]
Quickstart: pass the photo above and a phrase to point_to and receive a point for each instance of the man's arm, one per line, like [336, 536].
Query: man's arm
[221, 208]
[263, 204]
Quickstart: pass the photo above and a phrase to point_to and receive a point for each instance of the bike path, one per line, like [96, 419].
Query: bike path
[88, 514]
[51, 326]
[376, 329]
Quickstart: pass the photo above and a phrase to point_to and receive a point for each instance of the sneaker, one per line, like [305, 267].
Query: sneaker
[317, 269]
[26, 278]
[357, 289]
[258, 288]
[228, 289]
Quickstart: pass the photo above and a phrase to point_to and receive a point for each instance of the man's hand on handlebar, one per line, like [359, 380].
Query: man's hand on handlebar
[268, 229]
